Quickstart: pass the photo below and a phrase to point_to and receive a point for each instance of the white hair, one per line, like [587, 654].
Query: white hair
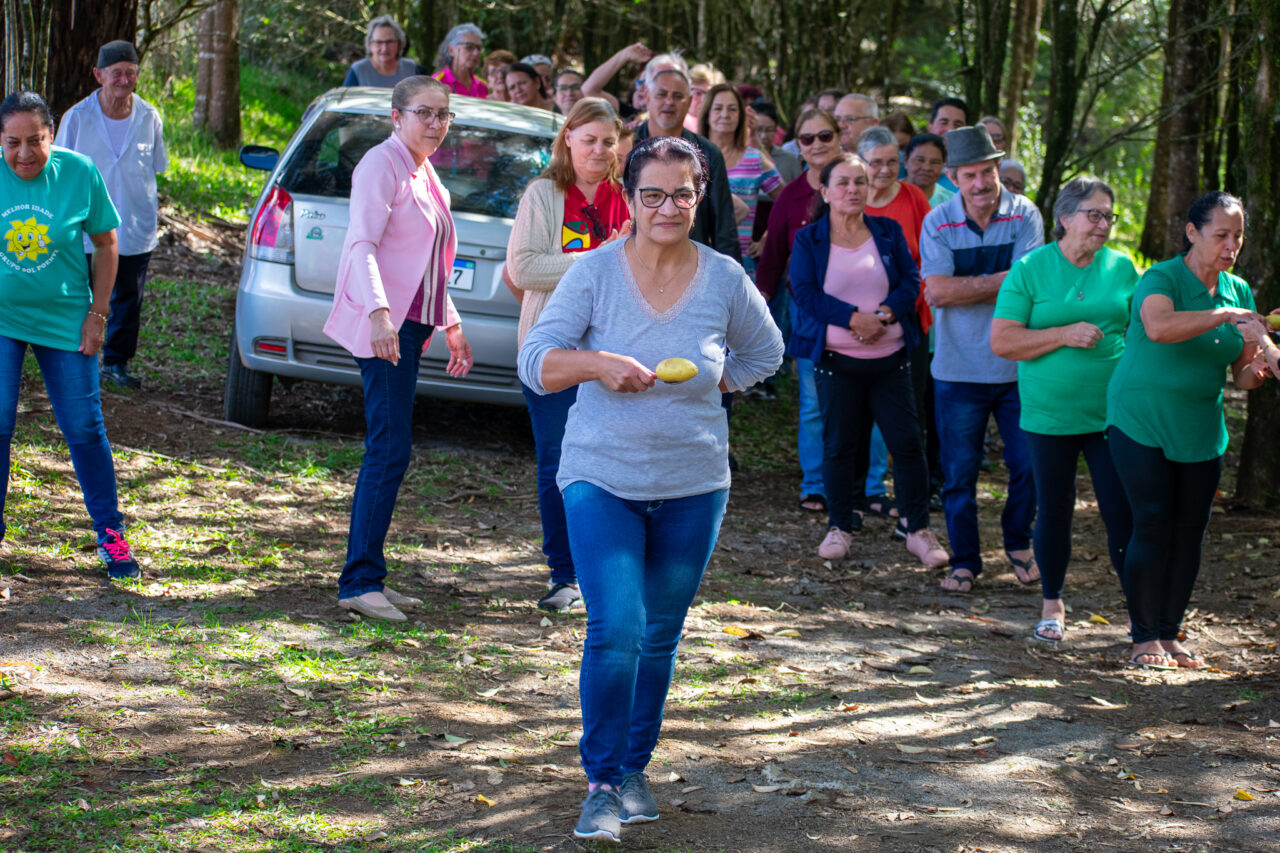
[875, 108]
[451, 38]
[665, 60]
[386, 21]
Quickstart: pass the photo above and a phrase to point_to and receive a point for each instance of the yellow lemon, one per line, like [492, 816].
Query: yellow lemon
[676, 370]
[1273, 320]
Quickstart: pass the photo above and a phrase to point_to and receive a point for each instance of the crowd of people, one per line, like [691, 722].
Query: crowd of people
[903, 277]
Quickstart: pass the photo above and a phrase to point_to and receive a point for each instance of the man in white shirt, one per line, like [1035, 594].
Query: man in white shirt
[121, 133]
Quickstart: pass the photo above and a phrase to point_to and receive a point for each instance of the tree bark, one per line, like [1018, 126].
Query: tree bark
[1176, 178]
[1024, 44]
[1258, 482]
[1064, 90]
[52, 46]
[217, 106]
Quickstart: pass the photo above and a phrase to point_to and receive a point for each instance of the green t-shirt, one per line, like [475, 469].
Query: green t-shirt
[1064, 392]
[44, 276]
[1170, 395]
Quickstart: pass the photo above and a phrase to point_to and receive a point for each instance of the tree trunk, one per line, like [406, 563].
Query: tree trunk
[1176, 178]
[51, 46]
[1024, 44]
[1064, 91]
[1258, 482]
[217, 106]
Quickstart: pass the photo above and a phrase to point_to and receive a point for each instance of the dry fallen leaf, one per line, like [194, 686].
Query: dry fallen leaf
[546, 622]
[83, 805]
[766, 789]
[691, 789]
[1099, 620]
[10, 759]
[1242, 794]
[481, 798]
[909, 749]
[919, 669]
[674, 777]
[488, 694]
[787, 632]
[737, 631]
[456, 739]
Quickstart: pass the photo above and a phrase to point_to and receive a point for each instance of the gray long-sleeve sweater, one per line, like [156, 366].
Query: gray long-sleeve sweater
[671, 441]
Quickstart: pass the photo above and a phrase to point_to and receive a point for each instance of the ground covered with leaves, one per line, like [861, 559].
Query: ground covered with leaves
[223, 703]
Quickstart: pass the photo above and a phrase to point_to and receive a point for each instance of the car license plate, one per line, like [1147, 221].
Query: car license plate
[463, 275]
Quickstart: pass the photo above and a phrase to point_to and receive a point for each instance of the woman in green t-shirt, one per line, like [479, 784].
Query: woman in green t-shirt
[1061, 314]
[50, 198]
[1190, 320]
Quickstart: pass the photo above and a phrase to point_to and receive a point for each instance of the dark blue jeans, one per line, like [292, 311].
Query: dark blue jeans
[854, 393]
[639, 566]
[1054, 459]
[388, 442]
[963, 409]
[1171, 503]
[126, 308]
[547, 415]
[72, 382]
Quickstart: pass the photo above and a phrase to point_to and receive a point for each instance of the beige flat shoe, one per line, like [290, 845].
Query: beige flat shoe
[399, 599]
[373, 604]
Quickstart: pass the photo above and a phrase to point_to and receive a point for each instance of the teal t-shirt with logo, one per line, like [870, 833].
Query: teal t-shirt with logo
[1064, 392]
[44, 276]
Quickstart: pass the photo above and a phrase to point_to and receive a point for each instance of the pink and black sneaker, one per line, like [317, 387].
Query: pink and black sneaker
[113, 550]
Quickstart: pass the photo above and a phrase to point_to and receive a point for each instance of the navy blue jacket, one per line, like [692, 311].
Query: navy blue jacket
[817, 309]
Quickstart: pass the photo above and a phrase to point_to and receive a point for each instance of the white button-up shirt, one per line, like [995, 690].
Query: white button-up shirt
[130, 175]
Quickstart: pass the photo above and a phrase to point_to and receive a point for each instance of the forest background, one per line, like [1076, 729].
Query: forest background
[1164, 99]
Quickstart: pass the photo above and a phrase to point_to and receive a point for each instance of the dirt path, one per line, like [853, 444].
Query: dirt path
[223, 704]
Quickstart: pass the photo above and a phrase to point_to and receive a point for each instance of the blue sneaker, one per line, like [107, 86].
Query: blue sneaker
[599, 819]
[113, 549]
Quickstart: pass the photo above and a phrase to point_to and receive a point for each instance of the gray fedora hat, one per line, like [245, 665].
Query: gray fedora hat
[967, 145]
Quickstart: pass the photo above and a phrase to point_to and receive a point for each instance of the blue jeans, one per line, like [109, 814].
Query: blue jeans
[639, 566]
[877, 465]
[71, 379]
[388, 442]
[547, 415]
[963, 409]
[809, 440]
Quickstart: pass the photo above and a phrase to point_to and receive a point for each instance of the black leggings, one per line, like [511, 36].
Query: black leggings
[854, 393]
[1171, 504]
[1054, 459]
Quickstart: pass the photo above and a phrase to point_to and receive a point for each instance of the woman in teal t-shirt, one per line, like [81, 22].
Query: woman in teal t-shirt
[1061, 314]
[49, 199]
[1190, 320]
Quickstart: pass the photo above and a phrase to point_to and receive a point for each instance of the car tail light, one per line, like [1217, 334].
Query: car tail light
[271, 238]
[271, 346]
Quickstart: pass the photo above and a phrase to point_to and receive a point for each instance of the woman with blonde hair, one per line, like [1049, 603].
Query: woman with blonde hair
[575, 206]
[702, 77]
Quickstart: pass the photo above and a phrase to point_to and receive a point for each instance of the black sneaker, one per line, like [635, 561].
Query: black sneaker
[560, 597]
[113, 549]
[117, 375]
[599, 818]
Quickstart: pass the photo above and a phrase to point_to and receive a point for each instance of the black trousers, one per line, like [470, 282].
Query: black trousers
[1171, 504]
[126, 308]
[853, 393]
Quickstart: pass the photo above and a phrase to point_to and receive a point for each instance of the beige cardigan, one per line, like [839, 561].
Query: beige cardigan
[535, 260]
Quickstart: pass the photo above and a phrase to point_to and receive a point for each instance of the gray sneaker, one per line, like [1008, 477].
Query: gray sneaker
[638, 804]
[599, 819]
[559, 597]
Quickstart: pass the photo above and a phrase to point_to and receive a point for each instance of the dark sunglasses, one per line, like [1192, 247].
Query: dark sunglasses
[593, 216]
[806, 139]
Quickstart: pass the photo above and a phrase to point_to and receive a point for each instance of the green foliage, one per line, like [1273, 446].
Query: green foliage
[203, 177]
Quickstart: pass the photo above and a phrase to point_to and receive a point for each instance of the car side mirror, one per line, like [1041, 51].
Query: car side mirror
[259, 157]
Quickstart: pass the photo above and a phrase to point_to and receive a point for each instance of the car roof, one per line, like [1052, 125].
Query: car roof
[498, 115]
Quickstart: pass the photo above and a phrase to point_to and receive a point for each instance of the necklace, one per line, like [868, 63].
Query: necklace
[652, 274]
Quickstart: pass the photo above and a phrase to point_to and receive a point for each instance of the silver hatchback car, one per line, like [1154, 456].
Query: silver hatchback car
[493, 150]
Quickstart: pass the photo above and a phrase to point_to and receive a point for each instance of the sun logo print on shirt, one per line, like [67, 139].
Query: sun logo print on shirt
[27, 240]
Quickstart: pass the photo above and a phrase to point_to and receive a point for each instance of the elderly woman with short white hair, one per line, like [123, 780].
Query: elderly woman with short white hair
[385, 65]
[458, 58]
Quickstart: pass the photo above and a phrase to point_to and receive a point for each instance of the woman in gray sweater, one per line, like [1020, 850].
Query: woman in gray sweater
[644, 468]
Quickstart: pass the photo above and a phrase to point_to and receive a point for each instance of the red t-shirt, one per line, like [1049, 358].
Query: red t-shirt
[909, 208]
[586, 226]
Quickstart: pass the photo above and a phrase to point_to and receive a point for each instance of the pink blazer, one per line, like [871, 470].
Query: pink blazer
[387, 252]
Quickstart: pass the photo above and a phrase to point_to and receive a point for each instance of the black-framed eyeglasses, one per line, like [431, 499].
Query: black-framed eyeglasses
[683, 198]
[426, 114]
[1095, 216]
[593, 217]
[824, 136]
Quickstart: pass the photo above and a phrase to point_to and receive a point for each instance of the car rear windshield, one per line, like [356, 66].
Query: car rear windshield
[485, 170]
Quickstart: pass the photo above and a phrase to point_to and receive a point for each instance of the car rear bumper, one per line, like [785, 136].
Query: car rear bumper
[280, 330]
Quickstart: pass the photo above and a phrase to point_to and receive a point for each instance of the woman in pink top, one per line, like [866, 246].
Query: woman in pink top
[458, 60]
[855, 285]
[391, 293]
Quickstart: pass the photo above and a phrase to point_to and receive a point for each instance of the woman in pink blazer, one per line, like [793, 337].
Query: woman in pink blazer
[392, 292]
